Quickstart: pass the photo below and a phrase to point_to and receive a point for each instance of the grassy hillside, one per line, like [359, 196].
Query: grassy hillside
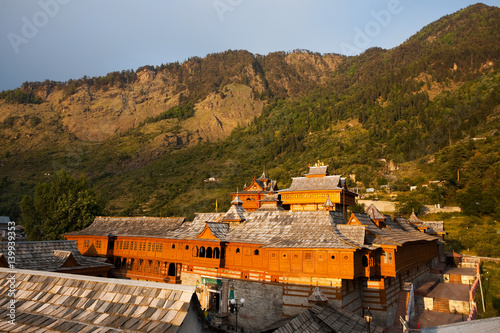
[140, 136]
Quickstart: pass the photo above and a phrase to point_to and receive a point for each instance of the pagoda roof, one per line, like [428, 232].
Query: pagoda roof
[263, 177]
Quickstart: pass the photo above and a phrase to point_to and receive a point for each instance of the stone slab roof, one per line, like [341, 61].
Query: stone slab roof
[234, 214]
[434, 226]
[219, 230]
[53, 256]
[404, 224]
[327, 319]
[130, 226]
[315, 183]
[387, 236]
[55, 302]
[306, 229]
[318, 170]
[353, 233]
[374, 213]
[389, 222]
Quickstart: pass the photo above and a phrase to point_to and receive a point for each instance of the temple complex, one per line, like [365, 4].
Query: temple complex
[252, 195]
[318, 191]
[273, 257]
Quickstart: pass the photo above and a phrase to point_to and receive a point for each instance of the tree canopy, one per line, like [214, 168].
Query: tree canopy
[61, 205]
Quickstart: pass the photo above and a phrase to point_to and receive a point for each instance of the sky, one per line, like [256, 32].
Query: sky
[67, 39]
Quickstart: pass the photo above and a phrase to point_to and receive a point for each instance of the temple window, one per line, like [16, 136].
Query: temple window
[216, 253]
[187, 247]
[202, 252]
[209, 252]
[237, 250]
[256, 252]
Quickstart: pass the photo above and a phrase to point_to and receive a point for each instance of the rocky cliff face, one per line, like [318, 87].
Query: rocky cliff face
[226, 90]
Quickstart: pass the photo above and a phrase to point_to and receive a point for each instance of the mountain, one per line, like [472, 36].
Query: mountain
[149, 138]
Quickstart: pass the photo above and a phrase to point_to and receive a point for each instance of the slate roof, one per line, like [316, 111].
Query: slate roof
[50, 256]
[189, 230]
[404, 224]
[236, 213]
[318, 170]
[374, 213]
[353, 233]
[55, 302]
[130, 226]
[389, 222]
[315, 183]
[434, 226]
[219, 230]
[296, 229]
[327, 319]
[328, 203]
[390, 236]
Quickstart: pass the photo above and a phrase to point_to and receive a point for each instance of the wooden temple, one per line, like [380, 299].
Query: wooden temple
[273, 257]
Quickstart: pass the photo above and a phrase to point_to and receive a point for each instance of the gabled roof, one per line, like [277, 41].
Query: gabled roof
[214, 231]
[130, 226]
[328, 203]
[327, 318]
[353, 233]
[296, 229]
[391, 224]
[318, 170]
[374, 213]
[55, 302]
[236, 213]
[53, 256]
[404, 224]
[316, 183]
[387, 236]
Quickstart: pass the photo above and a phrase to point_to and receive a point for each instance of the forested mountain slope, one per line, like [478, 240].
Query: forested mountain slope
[149, 138]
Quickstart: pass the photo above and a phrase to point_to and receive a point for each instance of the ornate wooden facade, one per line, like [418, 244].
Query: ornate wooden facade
[252, 195]
[272, 257]
[318, 191]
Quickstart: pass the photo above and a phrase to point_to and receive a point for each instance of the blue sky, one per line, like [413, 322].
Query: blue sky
[66, 39]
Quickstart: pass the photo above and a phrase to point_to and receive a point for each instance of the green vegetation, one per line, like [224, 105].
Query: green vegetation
[59, 206]
[18, 96]
[177, 112]
[490, 273]
[429, 107]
